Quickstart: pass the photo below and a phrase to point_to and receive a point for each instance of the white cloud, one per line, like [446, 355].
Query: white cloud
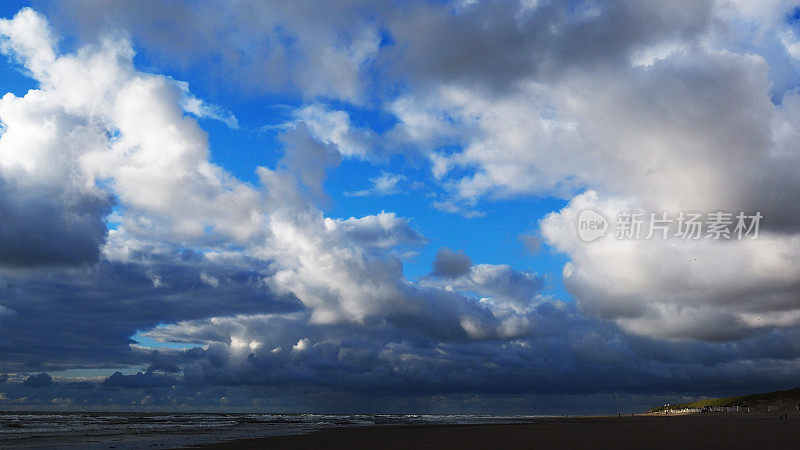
[302, 344]
[702, 289]
[199, 108]
[335, 127]
[511, 145]
[503, 290]
[121, 126]
[6, 312]
[209, 279]
[384, 184]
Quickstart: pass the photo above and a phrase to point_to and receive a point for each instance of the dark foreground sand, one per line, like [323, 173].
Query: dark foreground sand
[685, 432]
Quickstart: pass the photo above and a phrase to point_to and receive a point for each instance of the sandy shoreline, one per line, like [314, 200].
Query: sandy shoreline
[690, 431]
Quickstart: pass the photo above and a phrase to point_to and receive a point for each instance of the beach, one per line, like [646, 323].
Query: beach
[686, 432]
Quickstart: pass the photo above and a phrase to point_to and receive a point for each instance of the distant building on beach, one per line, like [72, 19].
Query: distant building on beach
[731, 409]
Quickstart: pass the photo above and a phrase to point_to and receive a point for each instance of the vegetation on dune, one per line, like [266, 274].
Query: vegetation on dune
[752, 400]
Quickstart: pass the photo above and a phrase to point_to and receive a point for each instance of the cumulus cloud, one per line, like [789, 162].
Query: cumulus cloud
[501, 287]
[49, 225]
[38, 380]
[384, 230]
[496, 46]
[52, 213]
[702, 289]
[335, 126]
[139, 380]
[116, 127]
[451, 264]
[92, 314]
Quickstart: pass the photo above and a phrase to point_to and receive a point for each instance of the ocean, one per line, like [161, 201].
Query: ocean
[120, 430]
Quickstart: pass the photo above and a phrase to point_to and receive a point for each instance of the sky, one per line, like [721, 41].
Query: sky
[382, 207]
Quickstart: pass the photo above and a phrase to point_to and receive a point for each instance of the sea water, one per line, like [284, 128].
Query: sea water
[168, 430]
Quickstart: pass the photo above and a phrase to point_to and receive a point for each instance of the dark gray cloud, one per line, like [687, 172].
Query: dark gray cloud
[38, 380]
[50, 225]
[308, 159]
[492, 44]
[565, 353]
[139, 380]
[332, 362]
[451, 264]
[287, 46]
[497, 44]
[85, 317]
[266, 356]
[162, 364]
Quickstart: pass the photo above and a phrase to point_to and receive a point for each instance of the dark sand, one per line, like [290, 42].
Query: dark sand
[685, 432]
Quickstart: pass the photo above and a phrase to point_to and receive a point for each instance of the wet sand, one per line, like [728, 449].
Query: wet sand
[686, 432]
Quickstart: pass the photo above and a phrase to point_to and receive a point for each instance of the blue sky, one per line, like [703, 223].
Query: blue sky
[379, 204]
